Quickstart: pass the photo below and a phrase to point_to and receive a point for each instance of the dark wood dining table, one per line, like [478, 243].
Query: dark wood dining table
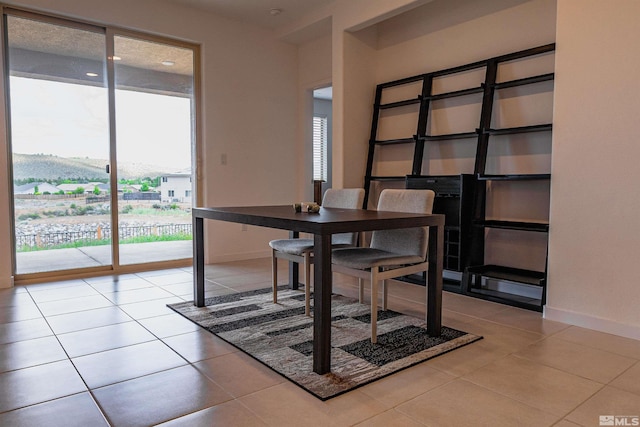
[322, 225]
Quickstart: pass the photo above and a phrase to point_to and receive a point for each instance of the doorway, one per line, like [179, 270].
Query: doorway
[322, 129]
[102, 136]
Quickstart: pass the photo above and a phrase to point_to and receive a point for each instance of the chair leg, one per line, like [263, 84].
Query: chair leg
[384, 295]
[307, 284]
[374, 305]
[274, 274]
[360, 290]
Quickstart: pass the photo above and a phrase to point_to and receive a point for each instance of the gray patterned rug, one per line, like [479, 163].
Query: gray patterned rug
[280, 336]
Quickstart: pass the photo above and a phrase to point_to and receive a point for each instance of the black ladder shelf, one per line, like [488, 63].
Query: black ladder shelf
[469, 208]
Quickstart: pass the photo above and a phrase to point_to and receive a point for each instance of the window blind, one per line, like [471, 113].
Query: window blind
[320, 148]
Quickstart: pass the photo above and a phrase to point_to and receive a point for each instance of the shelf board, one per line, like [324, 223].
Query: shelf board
[514, 225]
[450, 136]
[387, 178]
[525, 81]
[456, 93]
[395, 141]
[514, 177]
[520, 129]
[510, 274]
[400, 103]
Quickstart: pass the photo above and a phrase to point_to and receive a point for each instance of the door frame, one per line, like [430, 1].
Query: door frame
[196, 143]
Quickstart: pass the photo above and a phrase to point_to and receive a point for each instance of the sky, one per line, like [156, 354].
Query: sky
[70, 120]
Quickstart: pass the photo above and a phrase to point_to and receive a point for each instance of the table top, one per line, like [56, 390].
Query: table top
[327, 221]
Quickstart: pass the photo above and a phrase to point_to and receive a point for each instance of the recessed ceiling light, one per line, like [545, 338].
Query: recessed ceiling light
[275, 12]
[168, 63]
[92, 74]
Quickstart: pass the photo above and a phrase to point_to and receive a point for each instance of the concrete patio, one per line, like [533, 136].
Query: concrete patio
[95, 256]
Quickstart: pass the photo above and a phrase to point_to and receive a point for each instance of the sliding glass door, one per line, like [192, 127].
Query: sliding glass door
[58, 101]
[101, 134]
[153, 104]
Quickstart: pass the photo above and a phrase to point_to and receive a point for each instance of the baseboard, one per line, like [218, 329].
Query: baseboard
[592, 322]
[242, 256]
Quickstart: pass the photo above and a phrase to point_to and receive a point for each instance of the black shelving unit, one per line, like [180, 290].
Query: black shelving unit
[472, 279]
[466, 224]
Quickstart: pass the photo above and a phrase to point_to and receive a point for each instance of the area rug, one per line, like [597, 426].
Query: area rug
[281, 337]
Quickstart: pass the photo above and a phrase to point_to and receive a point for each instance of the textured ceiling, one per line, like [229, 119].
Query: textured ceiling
[257, 12]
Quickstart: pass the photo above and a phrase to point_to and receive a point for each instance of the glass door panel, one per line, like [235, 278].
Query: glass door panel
[154, 100]
[58, 104]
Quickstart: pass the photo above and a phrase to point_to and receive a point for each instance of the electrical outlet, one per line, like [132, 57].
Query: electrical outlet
[223, 158]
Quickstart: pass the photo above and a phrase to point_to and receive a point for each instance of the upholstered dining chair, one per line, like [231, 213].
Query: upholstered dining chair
[391, 253]
[301, 250]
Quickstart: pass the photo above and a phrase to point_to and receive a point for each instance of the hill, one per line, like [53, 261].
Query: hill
[50, 167]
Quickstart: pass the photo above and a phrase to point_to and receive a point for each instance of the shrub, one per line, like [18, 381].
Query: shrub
[32, 215]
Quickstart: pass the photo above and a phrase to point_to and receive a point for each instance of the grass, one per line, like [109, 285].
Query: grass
[103, 242]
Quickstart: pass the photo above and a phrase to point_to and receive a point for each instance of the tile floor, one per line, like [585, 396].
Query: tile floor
[107, 351]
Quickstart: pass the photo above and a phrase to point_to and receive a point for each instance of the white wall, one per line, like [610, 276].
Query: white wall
[595, 232]
[314, 71]
[249, 95]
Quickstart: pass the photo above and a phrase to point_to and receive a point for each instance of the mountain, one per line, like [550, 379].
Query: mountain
[49, 167]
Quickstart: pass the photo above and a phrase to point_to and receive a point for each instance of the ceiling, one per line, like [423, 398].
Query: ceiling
[258, 12]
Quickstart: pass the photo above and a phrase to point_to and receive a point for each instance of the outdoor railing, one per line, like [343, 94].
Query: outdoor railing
[88, 237]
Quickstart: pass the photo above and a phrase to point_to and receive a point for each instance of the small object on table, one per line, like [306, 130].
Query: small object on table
[306, 207]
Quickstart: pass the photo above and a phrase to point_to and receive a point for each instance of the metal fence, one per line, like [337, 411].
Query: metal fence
[45, 240]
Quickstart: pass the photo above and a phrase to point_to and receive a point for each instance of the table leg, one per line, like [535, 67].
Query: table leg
[322, 304]
[294, 272]
[434, 281]
[198, 262]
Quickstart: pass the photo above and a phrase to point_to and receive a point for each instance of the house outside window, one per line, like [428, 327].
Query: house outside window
[176, 187]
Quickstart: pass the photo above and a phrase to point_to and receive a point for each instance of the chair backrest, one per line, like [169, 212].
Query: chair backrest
[345, 198]
[406, 241]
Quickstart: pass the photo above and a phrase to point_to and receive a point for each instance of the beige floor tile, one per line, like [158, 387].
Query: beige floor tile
[76, 410]
[391, 418]
[145, 309]
[243, 279]
[536, 385]
[287, 405]
[527, 320]
[565, 423]
[406, 384]
[121, 364]
[28, 386]
[104, 338]
[629, 380]
[461, 403]
[469, 358]
[159, 397]
[24, 330]
[23, 354]
[169, 325]
[73, 305]
[230, 413]
[608, 401]
[199, 345]
[471, 306]
[505, 336]
[603, 341]
[587, 362]
[238, 374]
